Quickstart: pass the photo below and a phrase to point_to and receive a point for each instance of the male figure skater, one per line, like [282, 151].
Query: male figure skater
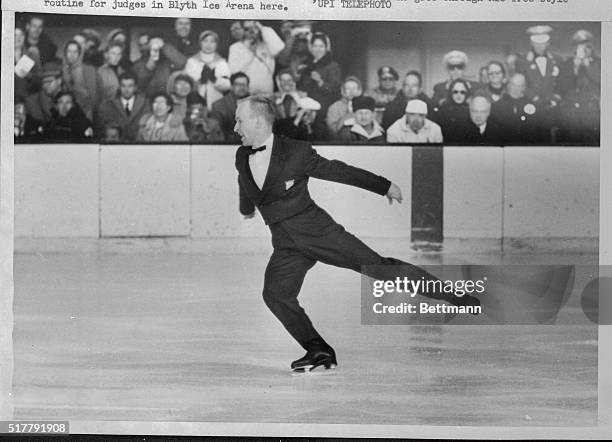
[273, 173]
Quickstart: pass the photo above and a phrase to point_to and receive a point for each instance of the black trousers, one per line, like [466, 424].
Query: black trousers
[298, 244]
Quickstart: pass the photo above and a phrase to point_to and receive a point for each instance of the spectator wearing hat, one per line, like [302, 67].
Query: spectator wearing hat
[496, 85]
[414, 126]
[208, 69]
[200, 128]
[386, 90]
[109, 73]
[68, 122]
[411, 90]
[39, 104]
[27, 129]
[342, 110]
[123, 111]
[154, 67]
[541, 68]
[296, 55]
[521, 118]
[79, 78]
[482, 130]
[255, 55]
[453, 115]
[456, 63]
[161, 124]
[36, 39]
[92, 54]
[224, 109]
[119, 36]
[387, 87]
[286, 99]
[321, 78]
[305, 125]
[180, 85]
[182, 38]
[364, 127]
[580, 85]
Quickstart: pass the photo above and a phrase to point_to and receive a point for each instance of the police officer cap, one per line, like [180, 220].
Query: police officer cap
[388, 70]
[582, 36]
[454, 58]
[540, 33]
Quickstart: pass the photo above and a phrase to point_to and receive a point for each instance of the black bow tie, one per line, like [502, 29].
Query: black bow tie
[259, 149]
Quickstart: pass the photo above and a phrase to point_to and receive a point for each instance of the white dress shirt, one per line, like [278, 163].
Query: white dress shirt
[128, 103]
[541, 63]
[260, 161]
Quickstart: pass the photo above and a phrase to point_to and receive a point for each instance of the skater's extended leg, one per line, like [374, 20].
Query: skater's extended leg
[343, 249]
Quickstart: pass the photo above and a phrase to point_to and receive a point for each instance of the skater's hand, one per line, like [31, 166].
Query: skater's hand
[249, 216]
[394, 193]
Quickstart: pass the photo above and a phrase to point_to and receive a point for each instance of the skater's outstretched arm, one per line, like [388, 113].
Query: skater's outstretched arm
[317, 166]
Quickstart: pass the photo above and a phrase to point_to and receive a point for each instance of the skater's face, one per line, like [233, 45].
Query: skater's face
[249, 126]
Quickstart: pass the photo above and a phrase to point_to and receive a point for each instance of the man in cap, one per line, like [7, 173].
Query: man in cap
[411, 89]
[364, 127]
[455, 62]
[39, 104]
[273, 176]
[580, 86]
[386, 90]
[414, 126]
[304, 125]
[520, 117]
[541, 68]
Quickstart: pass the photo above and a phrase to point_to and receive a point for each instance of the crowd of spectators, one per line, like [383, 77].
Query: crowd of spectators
[182, 89]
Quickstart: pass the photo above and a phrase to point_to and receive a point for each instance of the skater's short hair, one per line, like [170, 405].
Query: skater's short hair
[261, 105]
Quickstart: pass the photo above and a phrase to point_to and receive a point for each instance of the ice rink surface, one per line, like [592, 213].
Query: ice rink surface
[187, 337]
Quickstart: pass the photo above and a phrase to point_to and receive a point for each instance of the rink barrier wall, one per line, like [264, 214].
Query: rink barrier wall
[507, 195]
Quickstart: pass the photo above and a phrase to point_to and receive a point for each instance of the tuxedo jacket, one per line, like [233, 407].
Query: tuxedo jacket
[285, 189]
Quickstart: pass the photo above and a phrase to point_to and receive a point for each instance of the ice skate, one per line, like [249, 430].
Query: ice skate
[320, 355]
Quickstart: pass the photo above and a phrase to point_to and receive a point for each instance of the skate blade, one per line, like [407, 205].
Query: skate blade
[313, 369]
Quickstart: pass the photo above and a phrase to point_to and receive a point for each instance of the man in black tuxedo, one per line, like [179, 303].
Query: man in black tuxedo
[273, 173]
